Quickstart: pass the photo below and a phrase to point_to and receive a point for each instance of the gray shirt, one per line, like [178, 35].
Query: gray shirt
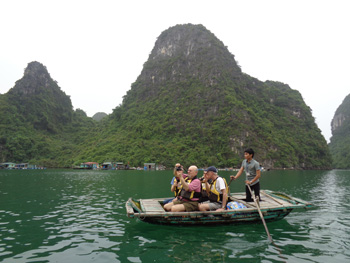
[250, 169]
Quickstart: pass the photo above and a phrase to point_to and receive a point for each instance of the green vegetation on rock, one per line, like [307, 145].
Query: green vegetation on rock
[190, 104]
[340, 141]
[38, 123]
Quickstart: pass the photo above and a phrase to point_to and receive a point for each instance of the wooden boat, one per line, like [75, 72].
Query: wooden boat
[273, 205]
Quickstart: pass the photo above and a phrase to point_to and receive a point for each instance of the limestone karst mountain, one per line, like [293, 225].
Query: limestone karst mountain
[340, 141]
[40, 100]
[191, 104]
[38, 122]
[99, 116]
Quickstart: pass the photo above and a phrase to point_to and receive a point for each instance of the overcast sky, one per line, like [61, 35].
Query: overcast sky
[95, 50]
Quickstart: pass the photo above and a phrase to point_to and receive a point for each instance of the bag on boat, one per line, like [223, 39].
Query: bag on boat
[235, 205]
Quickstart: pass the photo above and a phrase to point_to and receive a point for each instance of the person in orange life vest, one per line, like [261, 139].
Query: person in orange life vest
[190, 191]
[216, 190]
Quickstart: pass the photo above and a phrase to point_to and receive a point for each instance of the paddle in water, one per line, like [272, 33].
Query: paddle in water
[261, 215]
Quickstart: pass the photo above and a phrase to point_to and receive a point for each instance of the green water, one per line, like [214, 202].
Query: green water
[79, 216]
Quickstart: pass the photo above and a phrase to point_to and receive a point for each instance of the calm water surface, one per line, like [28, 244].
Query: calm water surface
[79, 216]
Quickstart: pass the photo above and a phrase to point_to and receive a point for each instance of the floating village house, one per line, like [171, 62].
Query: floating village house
[113, 166]
[24, 166]
[21, 166]
[89, 165]
[149, 166]
[7, 165]
[108, 166]
[120, 166]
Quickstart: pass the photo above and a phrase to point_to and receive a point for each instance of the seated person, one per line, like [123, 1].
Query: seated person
[189, 192]
[175, 184]
[204, 196]
[216, 190]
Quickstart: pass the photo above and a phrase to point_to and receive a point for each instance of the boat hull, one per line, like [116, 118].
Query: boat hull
[274, 207]
[210, 219]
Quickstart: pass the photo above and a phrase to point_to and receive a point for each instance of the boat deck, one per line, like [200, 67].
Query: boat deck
[151, 205]
[267, 201]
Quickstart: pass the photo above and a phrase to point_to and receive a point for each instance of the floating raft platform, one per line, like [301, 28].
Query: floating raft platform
[273, 205]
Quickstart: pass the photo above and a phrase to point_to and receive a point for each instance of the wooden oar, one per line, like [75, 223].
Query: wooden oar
[229, 190]
[230, 182]
[261, 215]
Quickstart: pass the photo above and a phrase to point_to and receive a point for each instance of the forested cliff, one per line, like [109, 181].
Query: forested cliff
[190, 104]
[340, 141]
[38, 123]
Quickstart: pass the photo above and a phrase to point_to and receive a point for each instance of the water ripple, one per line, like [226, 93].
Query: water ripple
[80, 217]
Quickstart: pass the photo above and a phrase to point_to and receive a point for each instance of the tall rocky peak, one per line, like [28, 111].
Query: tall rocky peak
[341, 115]
[191, 92]
[34, 79]
[99, 116]
[190, 49]
[39, 99]
[186, 52]
[340, 141]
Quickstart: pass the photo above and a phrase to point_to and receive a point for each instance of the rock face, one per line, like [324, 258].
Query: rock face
[340, 141]
[192, 92]
[35, 78]
[38, 123]
[337, 122]
[99, 116]
[189, 50]
[190, 104]
[40, 100]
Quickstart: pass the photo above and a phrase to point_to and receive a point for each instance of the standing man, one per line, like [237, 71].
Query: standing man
[252, 171]
[216, 190]
[189, 192]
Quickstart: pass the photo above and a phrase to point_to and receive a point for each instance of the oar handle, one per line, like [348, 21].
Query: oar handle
[229, 190]
[231, 179]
